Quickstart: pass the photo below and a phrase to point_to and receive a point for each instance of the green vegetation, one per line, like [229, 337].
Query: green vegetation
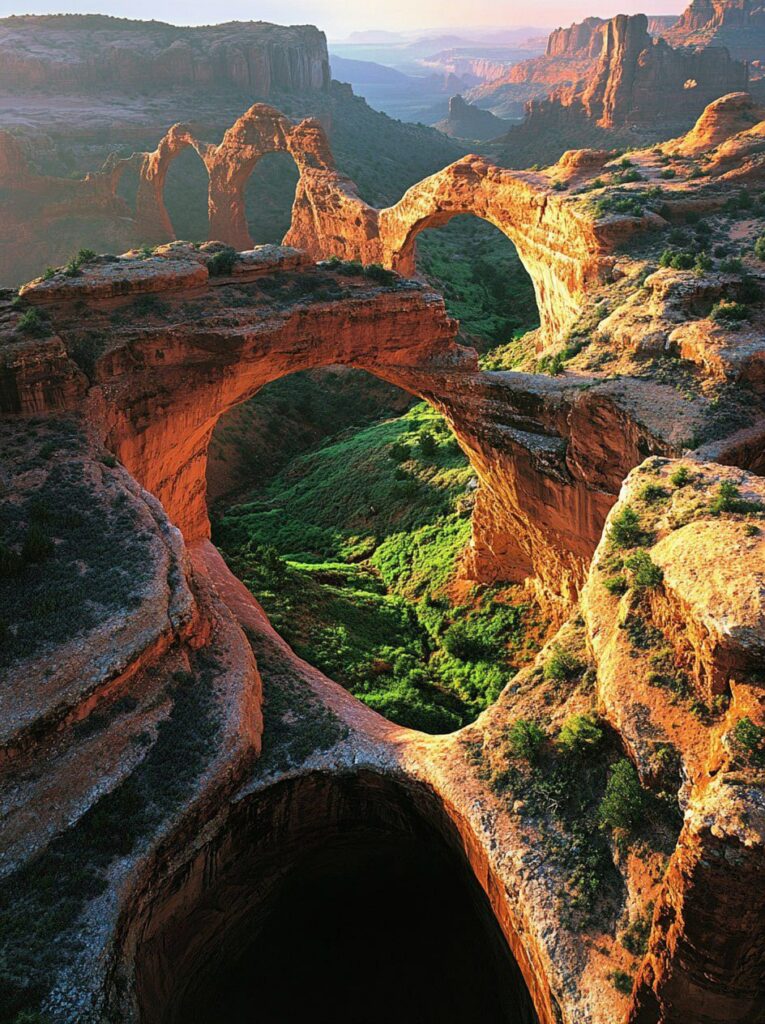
[728, 499]
[580, 734]
[622, 981]
[33, 322]
[634, 938]
[67, 555]
[623, 806]
[677, 260]
[222, 262]
[646, 575]
[350, 549]
[626, 204]
[680, 476]
[728, 313]
[484, 284]
[74, 267]
[625, 530]
[759, 248]
[562, 665]
[525, 739]
[749, 740]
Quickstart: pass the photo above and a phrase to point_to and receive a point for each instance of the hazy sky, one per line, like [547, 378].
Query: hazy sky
[338, 17]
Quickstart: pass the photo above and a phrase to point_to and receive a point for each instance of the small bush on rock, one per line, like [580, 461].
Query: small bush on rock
[525, 739]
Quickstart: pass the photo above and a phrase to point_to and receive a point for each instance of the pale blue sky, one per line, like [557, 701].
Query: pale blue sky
[338, 17]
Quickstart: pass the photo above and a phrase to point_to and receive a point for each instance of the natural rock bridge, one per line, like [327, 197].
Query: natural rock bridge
[550, 455]
[563, 251]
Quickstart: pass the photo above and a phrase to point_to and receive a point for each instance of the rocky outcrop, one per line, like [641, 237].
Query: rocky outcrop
[548, 483]
[682, 685]
[583, 39]
[634, 75]
[738, 25]
[722, 120]
[55, 53]
[466, 121]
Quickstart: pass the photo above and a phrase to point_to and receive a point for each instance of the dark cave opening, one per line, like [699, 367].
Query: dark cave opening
[372, 934]
[332, 899]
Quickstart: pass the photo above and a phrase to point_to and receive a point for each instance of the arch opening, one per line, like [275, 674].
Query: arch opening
[185, 192]
[347, 511]
[127, 187]
[345, 898]
[268, 197]
[485, 285]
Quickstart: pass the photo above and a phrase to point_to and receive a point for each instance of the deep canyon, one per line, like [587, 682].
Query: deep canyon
[204, 809]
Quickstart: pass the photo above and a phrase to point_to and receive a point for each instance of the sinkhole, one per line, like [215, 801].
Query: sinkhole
[342, 898]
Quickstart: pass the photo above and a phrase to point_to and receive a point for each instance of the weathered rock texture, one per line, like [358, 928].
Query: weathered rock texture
[88, 53]
[635, 75]
[738, 25]
[707, 610]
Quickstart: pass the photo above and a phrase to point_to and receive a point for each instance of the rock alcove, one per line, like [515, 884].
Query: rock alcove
[330, 898]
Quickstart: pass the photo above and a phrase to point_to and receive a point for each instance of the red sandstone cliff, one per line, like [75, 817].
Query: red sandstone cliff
[82, 53]
[737, 24]
[638, 80]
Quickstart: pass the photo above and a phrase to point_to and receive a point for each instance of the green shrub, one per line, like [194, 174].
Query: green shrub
[561, 665]
[623, 804]
[399, 451]
[749, 738]
[683, 260]
[525, 739]
[222, 263]
[380, 274]
[616, 585]
[680, 476]
[37, 544]
[668, 172]
[726, 312]
[652, 492]
[427, 443]
[622, 981]
[645, 573]
[728, 499]
[759, 248]
[625, 530]
[703, 263]
[74, 265]
[33, 322]
[732, 265]
[579, 734]
[635, 936]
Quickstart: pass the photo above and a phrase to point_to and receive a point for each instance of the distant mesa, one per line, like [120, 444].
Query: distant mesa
[83, 53]
[467, 121]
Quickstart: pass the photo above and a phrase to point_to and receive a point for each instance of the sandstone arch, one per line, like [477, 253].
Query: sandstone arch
[162, 383]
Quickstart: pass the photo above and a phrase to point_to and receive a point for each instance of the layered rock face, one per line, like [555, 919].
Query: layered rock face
[634, 76]
[583, 39]
[56, 53]
[737, 24]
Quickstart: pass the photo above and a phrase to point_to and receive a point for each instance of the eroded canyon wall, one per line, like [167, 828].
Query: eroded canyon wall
[89, 53]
